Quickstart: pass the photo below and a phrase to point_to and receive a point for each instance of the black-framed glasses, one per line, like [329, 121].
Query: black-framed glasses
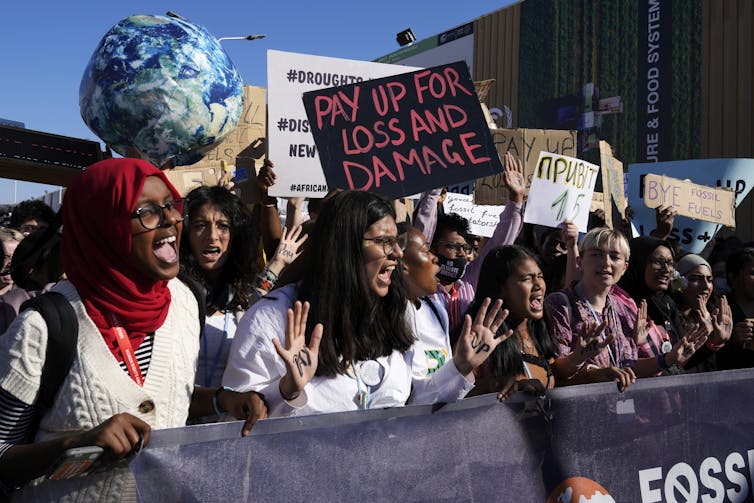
[152, 215]
[659, 263]
[388, 243]
[457, 247]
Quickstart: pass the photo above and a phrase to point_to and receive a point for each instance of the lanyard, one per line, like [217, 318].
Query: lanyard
[616, 362]
[453, 311]
[124, 343]
[665, 338]
[209, 372]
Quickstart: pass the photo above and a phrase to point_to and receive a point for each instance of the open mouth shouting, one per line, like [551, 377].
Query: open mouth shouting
[165, 251]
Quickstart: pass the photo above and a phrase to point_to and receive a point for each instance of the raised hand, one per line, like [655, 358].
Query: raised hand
[569, 233]
[479, 340]
[289, 247]
[722, 323]
[664, 216]
[687, 346]
[591, 343]
[300, 359]
[514, 179]
[266, 177]
[641, 327]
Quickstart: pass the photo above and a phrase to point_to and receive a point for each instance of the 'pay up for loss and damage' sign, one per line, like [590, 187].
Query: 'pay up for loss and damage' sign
[561, 189]
[403, 134]
[710, 204]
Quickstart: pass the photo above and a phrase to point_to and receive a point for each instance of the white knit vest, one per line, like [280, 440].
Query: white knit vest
[96, 387]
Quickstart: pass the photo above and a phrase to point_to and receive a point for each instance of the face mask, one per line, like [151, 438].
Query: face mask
[452, 268]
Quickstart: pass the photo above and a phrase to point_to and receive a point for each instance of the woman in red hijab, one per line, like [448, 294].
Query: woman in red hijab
[138, 335]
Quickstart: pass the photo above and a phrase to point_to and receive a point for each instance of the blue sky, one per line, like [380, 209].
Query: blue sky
[46, 45]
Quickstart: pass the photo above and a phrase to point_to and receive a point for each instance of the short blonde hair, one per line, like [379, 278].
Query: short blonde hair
[8, 234]
[598, 236]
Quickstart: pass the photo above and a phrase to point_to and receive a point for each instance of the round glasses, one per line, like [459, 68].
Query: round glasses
[388, 243]
[152, 215]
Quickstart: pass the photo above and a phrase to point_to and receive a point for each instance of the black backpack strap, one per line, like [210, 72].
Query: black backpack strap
[62, 337]
[201, 297]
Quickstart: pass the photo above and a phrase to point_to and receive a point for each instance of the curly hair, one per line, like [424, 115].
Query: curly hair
[233, 288]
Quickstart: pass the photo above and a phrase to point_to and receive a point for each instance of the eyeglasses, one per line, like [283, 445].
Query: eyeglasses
[388, 243]
[658, 263]
[152, 215]
[457, 247]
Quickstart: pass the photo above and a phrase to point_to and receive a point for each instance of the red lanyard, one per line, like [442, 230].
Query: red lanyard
[453, 311]
[124, 343]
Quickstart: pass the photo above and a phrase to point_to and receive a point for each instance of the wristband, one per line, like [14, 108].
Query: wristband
[214, 399]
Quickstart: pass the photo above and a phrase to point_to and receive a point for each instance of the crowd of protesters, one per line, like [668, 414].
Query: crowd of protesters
[203, 308]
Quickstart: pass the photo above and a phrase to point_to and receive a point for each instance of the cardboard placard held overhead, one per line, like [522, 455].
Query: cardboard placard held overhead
[245, 148]
[711, 204]
[403, 134]
[561, 189]
[613, 185]
[525, 144]
[187, 178]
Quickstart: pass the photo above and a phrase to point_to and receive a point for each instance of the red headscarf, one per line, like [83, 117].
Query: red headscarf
[96, 245]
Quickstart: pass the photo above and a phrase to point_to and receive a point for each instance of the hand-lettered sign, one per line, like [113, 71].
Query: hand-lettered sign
[561, 189]
[291, 146]
[403, 134]
[482, 219]
[692, 234]
[717, 205]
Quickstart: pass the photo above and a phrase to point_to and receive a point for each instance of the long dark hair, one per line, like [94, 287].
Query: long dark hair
[660, 305]
[358, 325]
[499, 264]
[233, 288]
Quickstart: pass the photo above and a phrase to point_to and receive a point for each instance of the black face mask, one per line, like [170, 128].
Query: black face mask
[452, 268]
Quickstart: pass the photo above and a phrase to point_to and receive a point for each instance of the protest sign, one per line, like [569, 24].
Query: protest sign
[187, 178]
[710, 204]
[482, 219]
[612, 177]
[561, 189]
[291, 146]
[525, 144]
[244, 149]
[692, 234]
[402, 134]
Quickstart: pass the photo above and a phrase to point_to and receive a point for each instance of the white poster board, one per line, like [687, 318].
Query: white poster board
[291, 146]
[482, 219]
[561, 189]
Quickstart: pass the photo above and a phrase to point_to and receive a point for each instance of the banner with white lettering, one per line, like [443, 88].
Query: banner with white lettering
[692, 234]
[682, 438]
[291, 146]
[654, 81]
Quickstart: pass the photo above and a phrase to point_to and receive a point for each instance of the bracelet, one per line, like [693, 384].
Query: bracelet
[714, 347]
[266, 280]
[270, 202]
[214, 399]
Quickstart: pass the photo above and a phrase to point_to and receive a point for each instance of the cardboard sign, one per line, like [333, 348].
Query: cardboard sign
[692, 234]
[187, 178]
[561, 189]
[525, 144]
[403, 134]
[291, 146]
[482, 219]
[245, 148]
[717, 205]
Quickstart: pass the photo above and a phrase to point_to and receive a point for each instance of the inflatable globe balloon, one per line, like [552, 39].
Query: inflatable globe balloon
[162, 86]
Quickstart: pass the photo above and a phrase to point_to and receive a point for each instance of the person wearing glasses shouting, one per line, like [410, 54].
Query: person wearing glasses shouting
[135, 357]
[356, 349]
[451, 241]
[650, 271]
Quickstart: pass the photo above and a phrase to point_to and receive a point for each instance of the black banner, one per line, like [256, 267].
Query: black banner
[404, 134]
